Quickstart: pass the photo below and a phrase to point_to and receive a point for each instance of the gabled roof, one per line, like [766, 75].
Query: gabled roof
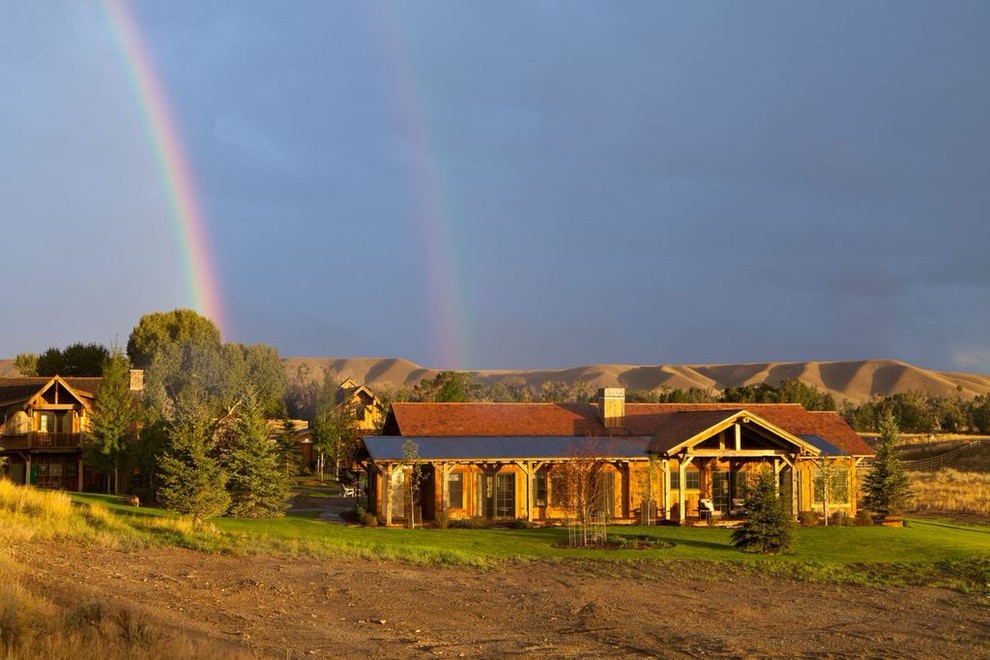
[574, 419]
[20, 390]
[684, 429]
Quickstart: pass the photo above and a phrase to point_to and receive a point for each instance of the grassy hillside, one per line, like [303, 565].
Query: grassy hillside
[853, 380]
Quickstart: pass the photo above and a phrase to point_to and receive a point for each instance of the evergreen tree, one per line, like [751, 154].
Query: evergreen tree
[191, 481]
[113, 420]
[287, 449]
[256, 485]
[768, 528]
[887, 486]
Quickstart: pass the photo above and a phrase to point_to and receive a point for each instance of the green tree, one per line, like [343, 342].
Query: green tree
[445, 387]
[768, 528]
[335, 431]
[257, 367]
[287, 453]
[26, 364]
[73, 360]
[414, 485]
[114, 417]
[191, 480]
[886, 486]
[159, 329]
[258, 488]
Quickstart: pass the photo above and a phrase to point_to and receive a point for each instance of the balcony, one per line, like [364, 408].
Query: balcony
[41, 440]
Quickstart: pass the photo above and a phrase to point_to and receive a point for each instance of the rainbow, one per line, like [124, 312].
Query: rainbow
[202, 286]
[448, 307]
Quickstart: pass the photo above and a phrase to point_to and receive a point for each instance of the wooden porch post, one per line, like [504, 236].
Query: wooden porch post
[388, 472]
[777, 465]
[794, 478]
[682, 473]
[665, 466]
[444, 474]
[738, 432]
[80, 475]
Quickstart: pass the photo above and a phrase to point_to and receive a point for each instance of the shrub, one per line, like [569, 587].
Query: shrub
[369, 520]
[474, 522]
[808, 519]
[839, 519]
[864, 518]
[519, 523]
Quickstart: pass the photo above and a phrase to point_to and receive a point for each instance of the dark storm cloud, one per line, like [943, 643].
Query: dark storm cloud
[635, 182]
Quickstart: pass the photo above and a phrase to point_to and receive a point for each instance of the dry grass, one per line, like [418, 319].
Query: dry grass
[951, 491]
[32, 626]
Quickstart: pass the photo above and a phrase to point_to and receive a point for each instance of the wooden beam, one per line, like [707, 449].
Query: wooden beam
[738, 436]
[682, 477]
[742, 453]
[665, 466]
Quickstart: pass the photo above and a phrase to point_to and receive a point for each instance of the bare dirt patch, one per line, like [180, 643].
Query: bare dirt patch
[292, 607]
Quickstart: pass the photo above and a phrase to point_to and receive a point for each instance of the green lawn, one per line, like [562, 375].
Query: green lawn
[926, 551]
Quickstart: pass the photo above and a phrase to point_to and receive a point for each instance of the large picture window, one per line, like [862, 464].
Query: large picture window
[540, 488]
[455, 490]
[692, 480]
[839, 490]
[558, 489]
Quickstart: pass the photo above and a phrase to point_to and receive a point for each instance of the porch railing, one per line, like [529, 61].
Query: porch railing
[41, 440]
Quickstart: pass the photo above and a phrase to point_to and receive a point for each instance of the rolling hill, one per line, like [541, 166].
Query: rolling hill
[854, 380]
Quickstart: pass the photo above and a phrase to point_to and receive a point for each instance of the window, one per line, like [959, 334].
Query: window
[558, 489]
[838, 492]
[692, 482]
[540, 488]
[455, 490]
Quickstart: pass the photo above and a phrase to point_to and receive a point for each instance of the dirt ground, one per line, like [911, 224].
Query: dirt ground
[303, 607]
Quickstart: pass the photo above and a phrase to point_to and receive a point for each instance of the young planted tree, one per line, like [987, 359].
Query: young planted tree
[887, 487]
[191, 480]
[257, 486]
[114, 416]
[768, 528]
[584, 485]
[410, 454]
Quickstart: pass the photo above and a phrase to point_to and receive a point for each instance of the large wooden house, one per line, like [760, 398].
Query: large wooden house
[672, 462]
[44, 424]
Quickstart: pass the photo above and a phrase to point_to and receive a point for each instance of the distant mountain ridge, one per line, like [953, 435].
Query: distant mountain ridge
[857, 380]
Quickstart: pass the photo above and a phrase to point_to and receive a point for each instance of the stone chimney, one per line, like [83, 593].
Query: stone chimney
[612, 406]
[137, 380]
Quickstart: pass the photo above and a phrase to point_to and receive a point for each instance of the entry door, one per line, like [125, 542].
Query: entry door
[720, 490]
[505, 495]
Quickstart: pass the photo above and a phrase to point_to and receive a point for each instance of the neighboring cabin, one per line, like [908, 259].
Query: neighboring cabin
[505, 461]
[366, 407]
[44, 424]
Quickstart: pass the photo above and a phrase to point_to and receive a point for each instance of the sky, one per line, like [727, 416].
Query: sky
[506, 184]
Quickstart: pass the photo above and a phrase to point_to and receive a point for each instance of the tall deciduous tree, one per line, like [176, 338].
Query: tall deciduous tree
[114, 417]
[160, 329]
[334, 430]
[887, 487]
[768, 528]
[191, 480]
[26, 364]
[256, 485]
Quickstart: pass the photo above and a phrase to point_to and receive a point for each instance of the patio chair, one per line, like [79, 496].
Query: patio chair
[705, 509]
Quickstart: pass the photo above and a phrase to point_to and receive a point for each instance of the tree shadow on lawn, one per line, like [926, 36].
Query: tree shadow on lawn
[959, 528]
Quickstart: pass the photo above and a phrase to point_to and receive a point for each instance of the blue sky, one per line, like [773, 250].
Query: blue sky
[513, 184]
